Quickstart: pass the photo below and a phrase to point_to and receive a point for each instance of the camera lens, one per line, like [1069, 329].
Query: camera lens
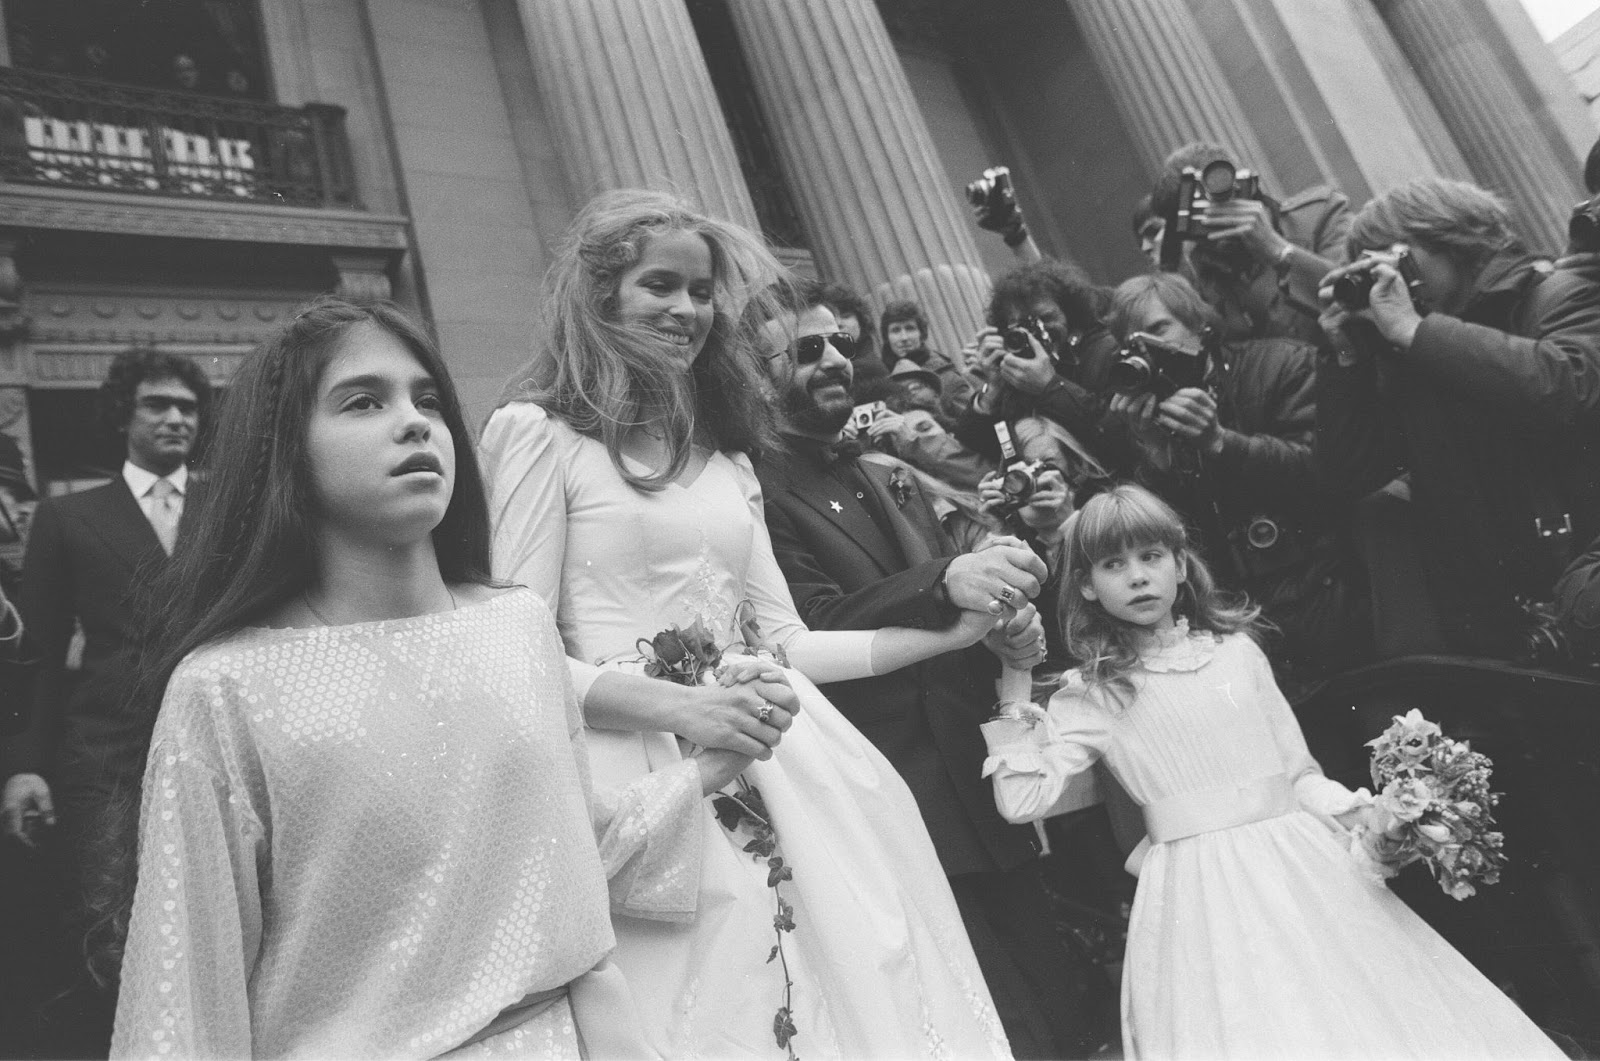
[1354, 290]
[1217, 180]
[1262, 533]
[1131, 374]
[1017, 484]
[1016, 340]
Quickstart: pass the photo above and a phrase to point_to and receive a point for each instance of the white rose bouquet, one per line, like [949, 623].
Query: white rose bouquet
[1433, 804]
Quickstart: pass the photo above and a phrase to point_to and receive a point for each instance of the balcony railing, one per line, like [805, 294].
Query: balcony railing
[72, 132]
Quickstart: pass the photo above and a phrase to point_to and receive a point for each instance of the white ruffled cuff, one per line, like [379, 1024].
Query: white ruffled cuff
[1012, 744]
[1327, 798]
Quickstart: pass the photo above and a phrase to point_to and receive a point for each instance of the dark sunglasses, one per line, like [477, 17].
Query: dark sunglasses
[808, 348]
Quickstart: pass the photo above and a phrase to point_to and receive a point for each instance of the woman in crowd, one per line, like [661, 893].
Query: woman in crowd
[623, 491]
[366, 828]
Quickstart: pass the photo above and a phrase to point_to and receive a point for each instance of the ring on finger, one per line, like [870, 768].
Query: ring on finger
[766, 711]
[1008, 595]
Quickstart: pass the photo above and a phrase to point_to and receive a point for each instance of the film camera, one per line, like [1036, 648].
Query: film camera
[1219, 181]
[1019, 481]
[1016, 336]
[862, 416]
[1147, 365]
[992, 191]
[1353, 290]
[1583, 230]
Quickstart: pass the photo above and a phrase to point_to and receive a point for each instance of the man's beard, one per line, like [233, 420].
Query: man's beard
[807, 414]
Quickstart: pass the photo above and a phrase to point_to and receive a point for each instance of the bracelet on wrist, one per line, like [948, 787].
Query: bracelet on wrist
[1016, 711]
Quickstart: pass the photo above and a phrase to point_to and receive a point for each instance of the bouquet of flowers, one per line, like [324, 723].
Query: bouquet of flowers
[1434, 804]
[690, 656]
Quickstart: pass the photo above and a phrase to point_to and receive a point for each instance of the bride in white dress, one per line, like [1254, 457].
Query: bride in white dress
[622, 491]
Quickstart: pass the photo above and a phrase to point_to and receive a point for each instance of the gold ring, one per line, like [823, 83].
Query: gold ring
[1008, 594]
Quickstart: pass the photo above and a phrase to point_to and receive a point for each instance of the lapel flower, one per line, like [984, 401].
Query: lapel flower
[900, 486]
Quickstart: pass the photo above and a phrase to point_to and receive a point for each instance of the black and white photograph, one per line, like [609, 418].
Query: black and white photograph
[800, 530]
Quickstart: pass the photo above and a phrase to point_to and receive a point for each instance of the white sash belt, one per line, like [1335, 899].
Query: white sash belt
[1212, 809]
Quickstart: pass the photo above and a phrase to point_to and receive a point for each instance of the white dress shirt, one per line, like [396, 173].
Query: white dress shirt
[140, 481]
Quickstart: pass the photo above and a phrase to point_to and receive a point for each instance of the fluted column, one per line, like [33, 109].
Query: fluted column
[878, 208]
[632, 101]
[1448, 45]
[1166, 82]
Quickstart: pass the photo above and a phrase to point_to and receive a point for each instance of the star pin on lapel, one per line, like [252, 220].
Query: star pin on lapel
[836, 506]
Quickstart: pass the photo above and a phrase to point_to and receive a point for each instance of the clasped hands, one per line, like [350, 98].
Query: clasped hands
[994, 586]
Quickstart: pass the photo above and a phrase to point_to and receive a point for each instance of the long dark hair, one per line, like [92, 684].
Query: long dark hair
[249, 540]
[604, 378]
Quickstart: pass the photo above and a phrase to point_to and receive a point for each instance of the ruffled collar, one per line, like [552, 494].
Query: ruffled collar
[1177, 649]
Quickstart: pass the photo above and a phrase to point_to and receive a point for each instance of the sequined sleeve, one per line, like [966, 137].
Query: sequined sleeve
[196, 923]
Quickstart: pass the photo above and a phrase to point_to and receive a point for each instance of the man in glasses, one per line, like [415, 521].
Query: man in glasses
[861, 548]
[83, 553]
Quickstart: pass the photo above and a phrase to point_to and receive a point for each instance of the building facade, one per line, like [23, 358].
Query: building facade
[185, 172]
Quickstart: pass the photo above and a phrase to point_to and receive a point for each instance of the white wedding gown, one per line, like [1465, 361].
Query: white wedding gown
[881, 964]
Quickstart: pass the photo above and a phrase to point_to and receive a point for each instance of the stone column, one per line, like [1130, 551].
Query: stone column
[1167, 83]
[1450, 46]
[880, 212]
[632, 102]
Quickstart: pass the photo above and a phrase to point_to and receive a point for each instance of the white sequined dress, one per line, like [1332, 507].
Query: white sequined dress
[880, 959]
[1264, 938]
[368, 840]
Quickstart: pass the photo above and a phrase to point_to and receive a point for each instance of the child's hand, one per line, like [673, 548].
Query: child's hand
[1019, 642]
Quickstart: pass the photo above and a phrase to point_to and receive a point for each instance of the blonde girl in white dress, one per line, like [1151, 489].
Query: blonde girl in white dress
[1255, 930]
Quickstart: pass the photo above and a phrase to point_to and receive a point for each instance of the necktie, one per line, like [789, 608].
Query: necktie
[164, 511]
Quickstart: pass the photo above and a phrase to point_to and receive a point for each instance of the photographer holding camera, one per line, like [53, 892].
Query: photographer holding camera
[1224, 433]
[1045, 354]
[1481, 377]
[1258, 261]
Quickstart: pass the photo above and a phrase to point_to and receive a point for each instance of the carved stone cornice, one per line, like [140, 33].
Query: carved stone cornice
[71, 209]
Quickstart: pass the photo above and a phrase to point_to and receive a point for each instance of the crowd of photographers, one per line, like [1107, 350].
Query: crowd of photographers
[1382, 424]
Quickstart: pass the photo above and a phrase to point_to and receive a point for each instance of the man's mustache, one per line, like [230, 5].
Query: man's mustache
[828, 379]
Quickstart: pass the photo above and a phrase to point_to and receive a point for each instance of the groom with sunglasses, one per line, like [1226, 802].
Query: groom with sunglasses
[861, 548]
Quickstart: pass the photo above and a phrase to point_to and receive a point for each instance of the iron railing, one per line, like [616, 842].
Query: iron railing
[73, 132]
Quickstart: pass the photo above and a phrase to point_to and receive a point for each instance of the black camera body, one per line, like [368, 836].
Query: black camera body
[1353, 290]
[1583, 229]
[993, 189]
[1016, 336]
[1147, 365]
[1220, 181]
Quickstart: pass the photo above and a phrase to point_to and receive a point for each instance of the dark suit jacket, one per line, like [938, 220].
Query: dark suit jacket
[84, 554]
[846, 574]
